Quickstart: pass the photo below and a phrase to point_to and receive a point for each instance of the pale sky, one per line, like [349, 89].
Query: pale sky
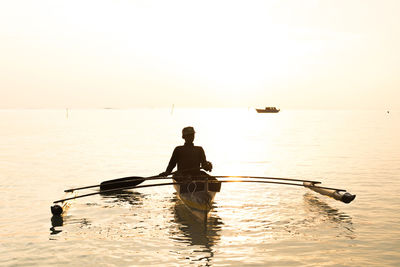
[126, 54]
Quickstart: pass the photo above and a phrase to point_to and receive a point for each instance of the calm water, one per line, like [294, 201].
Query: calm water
[44, 152]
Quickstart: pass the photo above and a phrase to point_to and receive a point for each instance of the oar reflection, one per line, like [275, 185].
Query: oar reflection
[133, 198]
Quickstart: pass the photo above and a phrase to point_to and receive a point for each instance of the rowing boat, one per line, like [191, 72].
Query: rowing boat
[197, 194]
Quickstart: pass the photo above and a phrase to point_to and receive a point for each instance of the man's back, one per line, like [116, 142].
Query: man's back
[188, 157]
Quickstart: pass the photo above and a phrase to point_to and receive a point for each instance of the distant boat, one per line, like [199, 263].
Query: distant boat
[268, 110]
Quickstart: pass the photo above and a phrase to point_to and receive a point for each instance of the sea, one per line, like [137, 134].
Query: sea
[45, 151]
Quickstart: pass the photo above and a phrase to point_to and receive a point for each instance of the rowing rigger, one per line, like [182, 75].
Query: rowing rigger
[133, 181]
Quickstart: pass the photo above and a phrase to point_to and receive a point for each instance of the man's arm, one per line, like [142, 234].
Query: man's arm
[206, 165]
[173, 161]
[171, 165]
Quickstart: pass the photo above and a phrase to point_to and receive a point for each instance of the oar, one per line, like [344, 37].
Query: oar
[120, 182]
[132, 179]
[126, 181]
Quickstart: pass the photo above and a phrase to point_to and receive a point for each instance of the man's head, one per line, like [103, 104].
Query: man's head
[188, 133]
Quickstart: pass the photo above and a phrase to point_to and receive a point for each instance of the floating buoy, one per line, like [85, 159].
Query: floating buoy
[56, 210]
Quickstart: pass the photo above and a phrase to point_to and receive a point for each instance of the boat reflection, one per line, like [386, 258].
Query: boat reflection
[199, 235]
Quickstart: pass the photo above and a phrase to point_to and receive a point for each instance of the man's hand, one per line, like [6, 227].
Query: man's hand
[164, 174]
[208, 166]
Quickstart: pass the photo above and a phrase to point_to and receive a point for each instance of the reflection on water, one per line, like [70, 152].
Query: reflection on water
[124, 196]
[320, 213]
[56, 221]
[113, 199]
[136, 214]
[195, 233]
[262, 225]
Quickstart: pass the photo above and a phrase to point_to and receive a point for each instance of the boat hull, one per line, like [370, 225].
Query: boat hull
[197, 196]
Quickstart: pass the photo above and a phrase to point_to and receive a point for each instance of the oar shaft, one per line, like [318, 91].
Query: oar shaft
[266, 178]
[273, 182]
[112, 190]
[79, 188]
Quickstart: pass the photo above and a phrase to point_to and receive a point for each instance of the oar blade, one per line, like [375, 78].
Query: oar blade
[121, 182]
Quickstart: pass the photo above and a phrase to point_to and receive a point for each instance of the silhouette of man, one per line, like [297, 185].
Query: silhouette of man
[189, 158]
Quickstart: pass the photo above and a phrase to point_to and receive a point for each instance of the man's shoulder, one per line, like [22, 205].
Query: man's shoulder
[185, 147]
[199, 148]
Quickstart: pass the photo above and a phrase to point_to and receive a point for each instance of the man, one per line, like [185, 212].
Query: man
[189, 158]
